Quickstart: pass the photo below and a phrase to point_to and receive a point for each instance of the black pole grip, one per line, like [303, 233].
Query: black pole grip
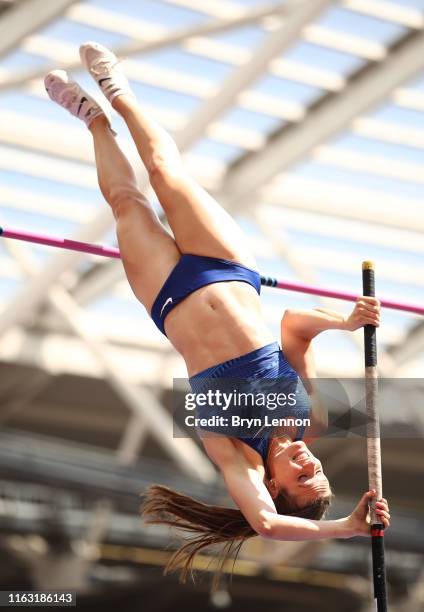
[379, 570]
[368, 288]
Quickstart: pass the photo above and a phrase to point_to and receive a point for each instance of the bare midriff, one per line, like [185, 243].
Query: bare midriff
[216, 323]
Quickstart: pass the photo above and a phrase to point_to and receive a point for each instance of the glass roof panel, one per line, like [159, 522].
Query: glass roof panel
[418, 4]
[287, 90]
[90, 197]
[220, 150]
[365, 250]
[320, 57]
[418, 83]
[68, 31]
[26, 220]
[40, 107]
[21, 60]
[391, 112]
[376, 147]
[248, 37]
[377, 30]
[155, 11]
[327, 173]
[245, 118]
[178, 59]
[63, 181]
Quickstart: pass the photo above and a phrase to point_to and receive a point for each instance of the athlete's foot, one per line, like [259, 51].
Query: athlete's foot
[103, 66]
[68, 94]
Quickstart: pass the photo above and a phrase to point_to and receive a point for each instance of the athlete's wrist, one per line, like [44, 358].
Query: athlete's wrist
[344, 528]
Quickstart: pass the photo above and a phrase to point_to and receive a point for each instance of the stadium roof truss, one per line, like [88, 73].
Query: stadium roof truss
[321, 178]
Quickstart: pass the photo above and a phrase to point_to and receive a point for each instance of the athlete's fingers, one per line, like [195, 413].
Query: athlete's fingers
[370, 307]
[382, 513]
[373, 301]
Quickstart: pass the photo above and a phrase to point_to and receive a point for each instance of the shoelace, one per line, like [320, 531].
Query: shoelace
[103, 65]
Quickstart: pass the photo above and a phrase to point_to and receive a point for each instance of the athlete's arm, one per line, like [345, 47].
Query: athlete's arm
[309, 323]
[299, 327]
[249, 492]
[281, 527]
[245, 485]
[243, 480]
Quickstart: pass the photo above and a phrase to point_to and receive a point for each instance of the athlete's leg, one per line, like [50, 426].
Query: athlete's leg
[200, 225]
[148, 252]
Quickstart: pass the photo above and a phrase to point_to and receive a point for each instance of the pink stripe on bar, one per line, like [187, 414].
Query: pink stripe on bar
[83, 247]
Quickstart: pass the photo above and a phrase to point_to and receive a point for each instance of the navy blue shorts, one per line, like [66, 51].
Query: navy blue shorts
[193, 272]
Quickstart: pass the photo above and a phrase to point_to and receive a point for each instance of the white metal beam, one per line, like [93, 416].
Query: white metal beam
[59, 351]
[27, 17]
[310, 75]
[144, 405]
[276, 42]
[412, 347]
[209, 47]
[33, 294]
[22, 396]
[219, 8]
[26, 150]
[364, 48]
[303, 268]
[281, 67]
[274, 45]
[378, 165]
[328, 119]
[31, 201]
[97, 284]
[231, 54]
[394, 12]
[21, 307]
[409, 98]
[359, 204]
[390, 132]
[332, 227]
[153, 43]
[39, 135]
[174, 80]
[332, 259]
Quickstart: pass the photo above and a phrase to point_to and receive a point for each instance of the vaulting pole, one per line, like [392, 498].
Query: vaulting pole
[267, 281]
[373, 444]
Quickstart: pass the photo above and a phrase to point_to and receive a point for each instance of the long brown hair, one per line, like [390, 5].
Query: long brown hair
[211, 525]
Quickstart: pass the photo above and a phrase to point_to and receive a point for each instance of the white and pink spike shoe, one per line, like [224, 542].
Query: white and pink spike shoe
[103, 66]
[71, 96]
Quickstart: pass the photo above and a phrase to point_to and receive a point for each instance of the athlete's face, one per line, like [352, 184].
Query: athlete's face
[293, 468]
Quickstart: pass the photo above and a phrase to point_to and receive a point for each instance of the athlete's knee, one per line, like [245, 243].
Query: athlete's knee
[123, 198]
[164, 170]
